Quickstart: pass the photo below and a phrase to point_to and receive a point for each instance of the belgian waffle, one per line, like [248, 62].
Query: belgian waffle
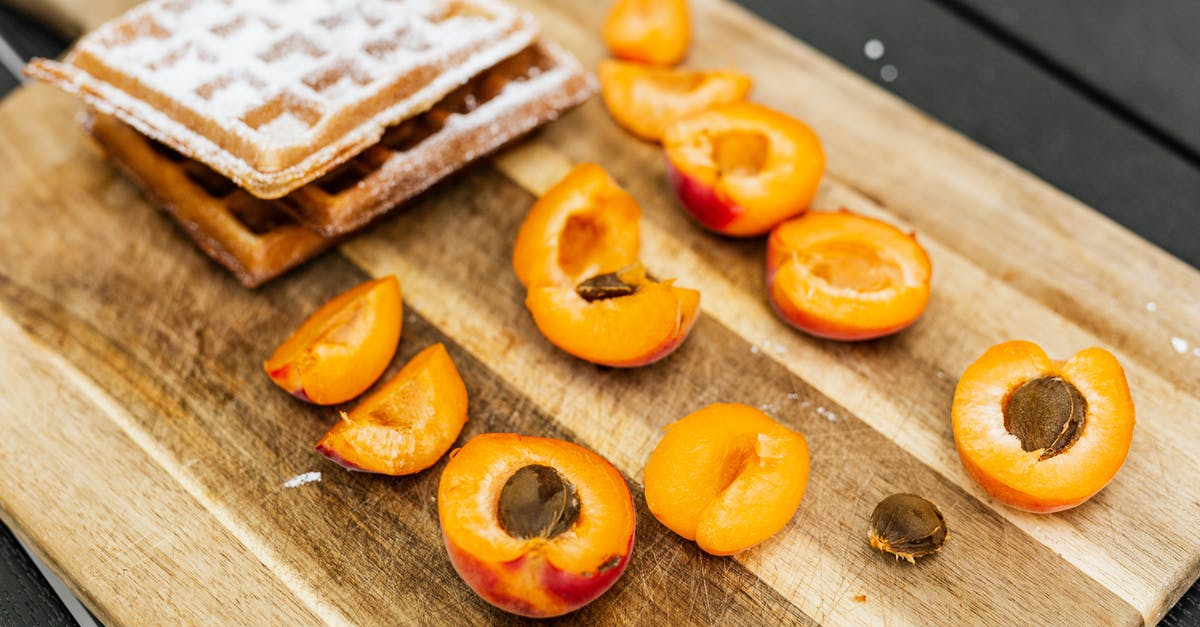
[256, 239]
[502, 103]
[259, 239]
[275, 93]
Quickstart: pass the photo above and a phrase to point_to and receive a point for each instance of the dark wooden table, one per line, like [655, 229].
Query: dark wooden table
[1100, 102]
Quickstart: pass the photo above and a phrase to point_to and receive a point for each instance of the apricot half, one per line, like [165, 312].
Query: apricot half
[343, 347]
[407, 424]
[650, 31]
[742, 168]
[844, 276]
[1038, 434]
[583, 226]
[535, 526]
[646, 100]
[727, 476]
[623, 319]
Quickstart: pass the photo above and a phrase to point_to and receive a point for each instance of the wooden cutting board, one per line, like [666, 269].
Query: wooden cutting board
[145, 454]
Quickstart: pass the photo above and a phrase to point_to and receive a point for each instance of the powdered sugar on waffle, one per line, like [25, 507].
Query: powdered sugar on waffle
[273, 93]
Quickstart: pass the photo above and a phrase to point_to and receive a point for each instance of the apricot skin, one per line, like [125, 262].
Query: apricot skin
[625, 332]
[343, 347]
[727, 476]
[747, 190]
[406, 425]
[1019, 478]
[657, 32]
[853, 321]
[564, 592]
[540, 576]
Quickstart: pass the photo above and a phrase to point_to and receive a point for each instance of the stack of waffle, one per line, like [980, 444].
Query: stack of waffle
[270, 129]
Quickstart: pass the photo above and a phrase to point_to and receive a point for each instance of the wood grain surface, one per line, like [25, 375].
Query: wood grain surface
[149, 452]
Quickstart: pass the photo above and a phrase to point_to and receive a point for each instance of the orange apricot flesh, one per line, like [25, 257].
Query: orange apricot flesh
[547, 574]
[343, 347]
[646, 100]
[727, 476]
[843, 276]
[407, 424]
[1042, 480]
[657, 32]
[623, 331]
[585, 225]
[740, 169]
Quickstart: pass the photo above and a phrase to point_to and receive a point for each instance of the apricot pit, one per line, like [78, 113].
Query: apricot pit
[1039, 434]
[535, 526]
[907, 526]
[1046, 414]
[605, 286]
[537, 502]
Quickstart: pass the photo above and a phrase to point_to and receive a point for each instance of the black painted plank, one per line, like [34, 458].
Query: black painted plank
[25, 597]
[1142, 54]
[27, 37]
[960, 75]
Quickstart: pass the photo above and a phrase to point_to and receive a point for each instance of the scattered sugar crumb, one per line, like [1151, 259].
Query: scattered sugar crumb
[1179, 344]
[889, 73]
[827, 414]
[302, 479]
[793, 396]
[1152, 307]
[754, 349]
[1196, 351]
[767, 407]
[940, 374]
[805, 404]
[873, 49]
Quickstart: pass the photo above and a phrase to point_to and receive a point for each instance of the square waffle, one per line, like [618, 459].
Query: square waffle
[275, 93]
[500, 104]
[260, 239]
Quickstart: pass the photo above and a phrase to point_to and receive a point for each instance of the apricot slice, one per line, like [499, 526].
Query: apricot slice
[650, 31]
[844, 276]
[727, 476]
[343, 347]
[1038, 434]
[535, 526]
[583, 226]
[646, 100]
[623, 319]
[407, 424]
[740, 169]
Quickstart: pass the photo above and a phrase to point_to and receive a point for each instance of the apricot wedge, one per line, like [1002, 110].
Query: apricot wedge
[535, 526]
[623, 320]
[343, 347]
[646, 100]
[740, 169]
[407, 424]
[1042, 435]
[844, 276]
[650, 31]
[583, 226]
[727, 476]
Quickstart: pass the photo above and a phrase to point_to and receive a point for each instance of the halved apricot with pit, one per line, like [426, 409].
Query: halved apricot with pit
[650, 31]
[583, 226]
[843, 276]
[727, 476]
[343, 347]
[646, 100]
[742, 168]
[535, 526]
[407, 424]
[1038, 434]
[623, 319]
